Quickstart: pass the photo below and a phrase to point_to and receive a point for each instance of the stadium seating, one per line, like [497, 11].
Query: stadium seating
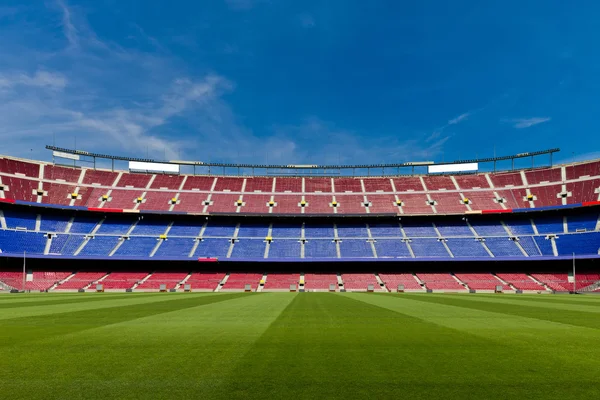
[20, 220]
[582, 223]
[442, 182]
[544, 245]
[249, 248]
[391, 248]
[281, 230]
[80, 280]
[320, 248]
[392, 281]
[138, 234]
[360, 282]
[385, 229]
[40, 280]
[440, 282]
[172, 182]
[408, 184]
[19, 189]
[99, 177]
[543, 176]
[320, 282]
[137, 247]
[463, 247]
[506, 179]
[483, 282]
[66, 245]
[18, 167]
[428, 247]
[157, 201]
[238, 281]
[169, 279]
[454, 229]
[122, 280]
[215, 248]
[281, 281]
[404, 194]
[488, 228]
[54, 223]
[290, 249]
[558, 282]
[521, 281]
[314, 185]
[130, 237]
[503, 247]
[18, 242]
[578, 244]
[356, 248]
[205, 281]
[353, 281]
[374, 185]
[100, 246]
[466, 182]
[174, 247]
[150, 227]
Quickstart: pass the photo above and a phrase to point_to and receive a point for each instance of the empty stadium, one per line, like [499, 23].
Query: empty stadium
[517, 230]
[176, 285]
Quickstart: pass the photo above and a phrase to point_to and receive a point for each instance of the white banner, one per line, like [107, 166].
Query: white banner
[70, 156]
[154, 167]
[469, 167]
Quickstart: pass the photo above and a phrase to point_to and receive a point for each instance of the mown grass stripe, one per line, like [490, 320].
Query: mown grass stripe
[584, 300]
[18, 331]
[516, 330]
[335, 346]
[502, 299]
[183, 353]
[72, 299]
[571, 317]
[103, 302]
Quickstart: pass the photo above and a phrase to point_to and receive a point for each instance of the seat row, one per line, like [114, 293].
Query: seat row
[20, 180]
[235, 281]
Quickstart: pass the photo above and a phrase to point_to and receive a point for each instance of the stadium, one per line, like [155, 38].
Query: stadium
[426, 274]
[508, 231]
[322, 199]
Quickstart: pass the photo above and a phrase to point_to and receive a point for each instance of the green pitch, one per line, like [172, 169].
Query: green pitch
[305, 345]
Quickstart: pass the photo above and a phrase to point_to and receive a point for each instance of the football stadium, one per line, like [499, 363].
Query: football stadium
[188, 279]
[318, 199]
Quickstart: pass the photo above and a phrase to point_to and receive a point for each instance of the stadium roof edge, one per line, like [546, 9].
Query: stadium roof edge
[291, 166]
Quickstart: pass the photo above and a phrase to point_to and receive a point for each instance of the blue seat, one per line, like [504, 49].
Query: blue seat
[249, 248]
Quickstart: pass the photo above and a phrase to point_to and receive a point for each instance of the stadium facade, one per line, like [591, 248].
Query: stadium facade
[151, 225]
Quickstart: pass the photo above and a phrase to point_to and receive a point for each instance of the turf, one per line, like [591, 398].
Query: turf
[305, 345]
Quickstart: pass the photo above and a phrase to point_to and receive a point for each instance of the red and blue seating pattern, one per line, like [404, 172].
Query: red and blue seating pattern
[41, 232]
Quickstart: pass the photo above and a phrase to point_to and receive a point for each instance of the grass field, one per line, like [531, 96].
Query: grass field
[305, 345]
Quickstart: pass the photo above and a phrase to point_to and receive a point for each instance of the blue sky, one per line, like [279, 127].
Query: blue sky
[300, 82]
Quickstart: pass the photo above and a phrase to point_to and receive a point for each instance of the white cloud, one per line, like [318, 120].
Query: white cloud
[116, 99]
[41, 78]
[69, 28]
[112, 129]
[521, 123]
[436, 135]
[318, 141]
[459, 119]
[128, 102]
